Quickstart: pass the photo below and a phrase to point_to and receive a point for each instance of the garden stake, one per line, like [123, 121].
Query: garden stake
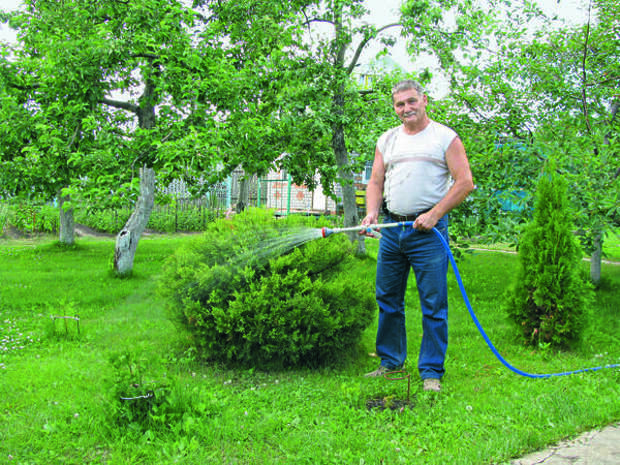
[76, 318]
[372, 229]
[406, 376]
[149, 395]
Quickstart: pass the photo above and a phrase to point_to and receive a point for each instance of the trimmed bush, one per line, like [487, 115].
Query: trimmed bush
[550, 300]
[262, 292]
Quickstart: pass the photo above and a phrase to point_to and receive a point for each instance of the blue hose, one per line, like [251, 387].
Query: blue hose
[484, 335]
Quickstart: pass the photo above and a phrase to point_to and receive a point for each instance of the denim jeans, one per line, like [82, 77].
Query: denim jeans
[400, 249]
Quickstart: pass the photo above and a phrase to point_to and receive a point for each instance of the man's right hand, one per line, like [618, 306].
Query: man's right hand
[367, 221]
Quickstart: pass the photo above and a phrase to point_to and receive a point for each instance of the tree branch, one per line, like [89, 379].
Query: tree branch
[363, 44]
[584, 103]
[73, 137]
[603, 82]
[318, 20]
[122, 105]
[150, 56]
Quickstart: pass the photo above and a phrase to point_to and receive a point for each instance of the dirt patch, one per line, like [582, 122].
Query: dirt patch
[85, 231]
[389, 402]
[11, 232]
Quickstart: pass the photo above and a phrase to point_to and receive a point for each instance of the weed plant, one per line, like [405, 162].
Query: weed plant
[60, 400]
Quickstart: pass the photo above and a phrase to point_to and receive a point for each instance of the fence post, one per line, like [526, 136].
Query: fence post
[258, 192]
[176, 213]
[228, 191]
[288, 195]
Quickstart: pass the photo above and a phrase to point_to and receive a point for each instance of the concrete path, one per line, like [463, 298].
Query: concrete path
[598, 447]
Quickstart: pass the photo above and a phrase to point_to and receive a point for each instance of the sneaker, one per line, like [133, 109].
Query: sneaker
[378, 372]
[432, 384]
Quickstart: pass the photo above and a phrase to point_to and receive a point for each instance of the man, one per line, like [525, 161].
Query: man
[421, 172]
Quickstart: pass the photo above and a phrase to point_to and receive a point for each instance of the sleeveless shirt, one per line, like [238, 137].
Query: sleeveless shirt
[416, 172]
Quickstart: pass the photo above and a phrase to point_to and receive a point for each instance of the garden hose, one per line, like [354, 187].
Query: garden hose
[486, 338]
[371, 229]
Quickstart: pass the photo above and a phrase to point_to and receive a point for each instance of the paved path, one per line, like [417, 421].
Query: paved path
[598, 447]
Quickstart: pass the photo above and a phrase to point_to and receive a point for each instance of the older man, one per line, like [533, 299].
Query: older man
[420, 173]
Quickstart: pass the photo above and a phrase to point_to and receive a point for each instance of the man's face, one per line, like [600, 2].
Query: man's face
[410, 106]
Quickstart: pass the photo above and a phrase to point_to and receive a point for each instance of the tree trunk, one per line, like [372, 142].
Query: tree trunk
[244, 195]
[127, 239]
[67, 223]
[344, 173]
[596, 257]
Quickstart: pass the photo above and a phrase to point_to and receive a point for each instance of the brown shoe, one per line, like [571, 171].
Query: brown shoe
[378, 372]
[432, 384]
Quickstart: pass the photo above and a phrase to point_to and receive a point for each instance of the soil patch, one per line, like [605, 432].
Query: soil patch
[389, 402]
[82, 230]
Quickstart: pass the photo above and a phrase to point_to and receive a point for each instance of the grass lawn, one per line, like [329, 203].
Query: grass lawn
[58, 391]
[611, 246]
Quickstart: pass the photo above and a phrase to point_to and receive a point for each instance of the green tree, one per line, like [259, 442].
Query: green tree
[46, 129]
[552, 91]
[122, 90]
[327, 123]
[550, 300]
[315, 111]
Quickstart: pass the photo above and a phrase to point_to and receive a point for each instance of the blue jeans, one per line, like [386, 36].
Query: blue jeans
[400, 249]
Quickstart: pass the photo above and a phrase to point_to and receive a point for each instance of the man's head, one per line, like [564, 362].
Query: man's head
[410, 102]
[407, 84]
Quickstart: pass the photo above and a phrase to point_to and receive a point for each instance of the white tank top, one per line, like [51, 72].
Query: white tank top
[416, 172]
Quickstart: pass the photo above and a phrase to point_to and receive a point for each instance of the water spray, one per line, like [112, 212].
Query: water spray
[372, 230]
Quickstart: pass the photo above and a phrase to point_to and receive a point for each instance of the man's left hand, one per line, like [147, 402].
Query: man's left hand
[425, 222]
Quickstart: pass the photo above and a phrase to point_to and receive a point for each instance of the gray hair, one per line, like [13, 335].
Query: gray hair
[407, 84]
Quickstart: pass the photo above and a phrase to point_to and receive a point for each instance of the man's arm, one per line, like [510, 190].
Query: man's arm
[374, 190]
[458, 165]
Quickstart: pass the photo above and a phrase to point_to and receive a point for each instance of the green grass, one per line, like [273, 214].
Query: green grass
[57, 388]
[611, 246]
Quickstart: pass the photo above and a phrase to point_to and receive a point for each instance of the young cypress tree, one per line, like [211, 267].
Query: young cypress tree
[550, 301]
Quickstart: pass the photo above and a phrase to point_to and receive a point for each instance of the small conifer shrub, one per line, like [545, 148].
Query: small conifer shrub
[263, 292]
[550, 300]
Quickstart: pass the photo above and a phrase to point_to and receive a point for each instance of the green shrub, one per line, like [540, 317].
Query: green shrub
[142, 402]
[249, 295]
[30, 216]
[109, 220]
[163, 218]
[550, 300]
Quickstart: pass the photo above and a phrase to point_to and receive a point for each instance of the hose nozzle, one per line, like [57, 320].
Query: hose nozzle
[326, 232]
